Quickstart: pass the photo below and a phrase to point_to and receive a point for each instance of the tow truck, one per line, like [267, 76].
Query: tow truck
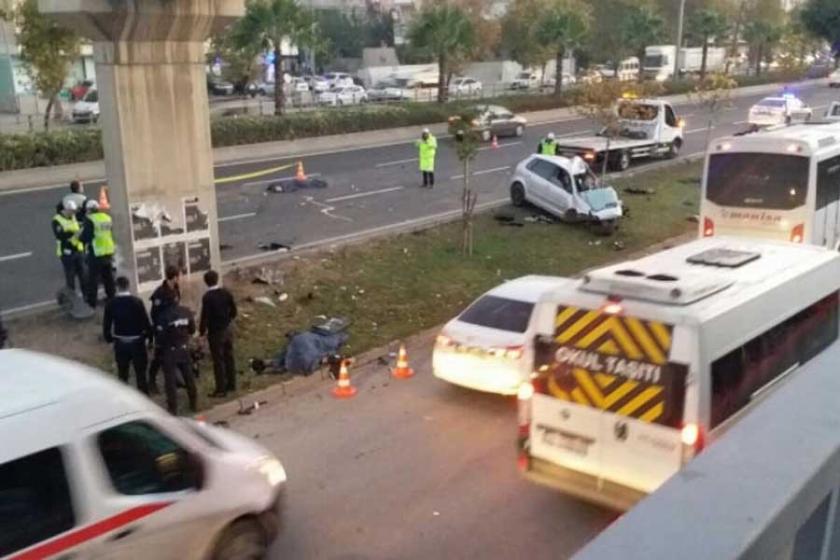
[646, 128]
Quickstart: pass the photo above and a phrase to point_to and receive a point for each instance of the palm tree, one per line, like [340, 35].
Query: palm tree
[267, 24]
[445, 31]
[761, 36]
[563, 26]
[704, 25]
[642, 27]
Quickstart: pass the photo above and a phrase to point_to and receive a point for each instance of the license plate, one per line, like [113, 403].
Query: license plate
[574, 443]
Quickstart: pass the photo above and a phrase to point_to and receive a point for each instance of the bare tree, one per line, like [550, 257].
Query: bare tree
[466, 143]
[712, 95]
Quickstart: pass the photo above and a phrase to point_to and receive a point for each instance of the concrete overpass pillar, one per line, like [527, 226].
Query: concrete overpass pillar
[150, 73]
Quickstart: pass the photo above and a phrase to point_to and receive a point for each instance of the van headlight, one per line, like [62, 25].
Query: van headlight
[272, 470]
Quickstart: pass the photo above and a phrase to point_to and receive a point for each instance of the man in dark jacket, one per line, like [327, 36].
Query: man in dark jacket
[126, 325]
[218, 310]
[176, 328]
[164, 296]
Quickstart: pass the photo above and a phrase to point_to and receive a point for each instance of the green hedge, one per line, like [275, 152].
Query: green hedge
[76, 145]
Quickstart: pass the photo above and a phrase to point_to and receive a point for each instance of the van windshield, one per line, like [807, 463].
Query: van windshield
[655, 61]
[637, 111]
[754, 180]
[499, 313]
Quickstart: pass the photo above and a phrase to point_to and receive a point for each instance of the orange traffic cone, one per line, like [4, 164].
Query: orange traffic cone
[104, 202]
[402, 371]
[343, 389]
[301, 174]
[495, 143]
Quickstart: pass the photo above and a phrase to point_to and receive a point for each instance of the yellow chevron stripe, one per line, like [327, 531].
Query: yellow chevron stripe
[625, 341]
[653, 413]
[654, 354]
[578, 395]
[556, 391]
[609, 347]
[581, 324]
[565, 315]
[643, 397]
[592, 391]
[604, 379]
[662, 334]
[614, 327]
[619, 393]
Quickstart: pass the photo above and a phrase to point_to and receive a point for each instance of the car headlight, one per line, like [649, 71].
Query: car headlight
[272, 470]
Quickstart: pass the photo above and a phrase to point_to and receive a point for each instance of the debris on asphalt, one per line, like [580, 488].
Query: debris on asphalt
[274, 246]
[265, 301]
[250, 409]
[639, 190]
[283, 297]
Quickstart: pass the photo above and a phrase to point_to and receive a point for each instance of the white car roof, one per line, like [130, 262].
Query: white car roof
[47, 400]
[573, 165]
[527, 288]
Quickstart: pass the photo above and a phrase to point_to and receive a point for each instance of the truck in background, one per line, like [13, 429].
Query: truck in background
[659, 61]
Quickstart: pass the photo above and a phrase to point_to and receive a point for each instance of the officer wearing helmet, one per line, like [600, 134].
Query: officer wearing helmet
[99, 241]
[548, 146]
[69, 247]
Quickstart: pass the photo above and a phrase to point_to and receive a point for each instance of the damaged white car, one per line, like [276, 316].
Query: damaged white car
[566, 188]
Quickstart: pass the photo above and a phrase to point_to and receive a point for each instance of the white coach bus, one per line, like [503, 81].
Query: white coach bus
[639, 365]
[780, 184]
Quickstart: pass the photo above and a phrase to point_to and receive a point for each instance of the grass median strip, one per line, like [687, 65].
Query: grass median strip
[395, 287]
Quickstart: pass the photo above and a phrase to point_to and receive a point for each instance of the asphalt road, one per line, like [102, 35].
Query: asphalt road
[368, 189]
[411, 469]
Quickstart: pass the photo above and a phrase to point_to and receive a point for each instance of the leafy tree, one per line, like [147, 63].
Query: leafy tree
[47, 50]
[761, 37]
[605, 40]
[643, 26]
[564, 27]
[822, 18]
[446, 32]
[267, 23]
[704, 25]
[240, 64]
[519, 28]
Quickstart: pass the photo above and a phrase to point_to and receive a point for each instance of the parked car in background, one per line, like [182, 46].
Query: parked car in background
[318, 84]
[783, 109]
[346, 95]
[392, 89]
[218, 86]
[488, 346]
[494, 120]
[834, 79]
[87, 110]
[525, 80]
[568, 80]
[298, 85]
[465, 87]
[338, 79]
[78, 91]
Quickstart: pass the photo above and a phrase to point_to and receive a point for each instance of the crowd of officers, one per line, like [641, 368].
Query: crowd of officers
[86, 248]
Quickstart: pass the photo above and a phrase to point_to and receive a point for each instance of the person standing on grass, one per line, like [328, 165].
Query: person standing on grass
[166, 295]
[218, 310]
[126, 325]
[175, 332]
[427, 145]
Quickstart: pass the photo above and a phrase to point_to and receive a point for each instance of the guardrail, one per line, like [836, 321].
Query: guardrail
[767, 490]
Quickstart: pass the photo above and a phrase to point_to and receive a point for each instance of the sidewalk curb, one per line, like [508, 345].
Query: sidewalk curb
[54, 176]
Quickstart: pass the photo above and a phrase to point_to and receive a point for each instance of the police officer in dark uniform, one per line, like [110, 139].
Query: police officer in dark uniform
[175, 331]
[164, 296]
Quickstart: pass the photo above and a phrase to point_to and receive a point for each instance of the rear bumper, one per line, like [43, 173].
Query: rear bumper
[584, 486]
[480, 375]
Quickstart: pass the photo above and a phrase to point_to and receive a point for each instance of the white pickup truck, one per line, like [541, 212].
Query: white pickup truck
[646, 128]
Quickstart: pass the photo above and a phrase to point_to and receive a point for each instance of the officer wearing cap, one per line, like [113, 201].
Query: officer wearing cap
[165, 296]
[175, 331]
[548, 145]
[69, 248]
[99, 240]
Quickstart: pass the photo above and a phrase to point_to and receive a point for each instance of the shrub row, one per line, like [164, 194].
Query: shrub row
[39, 149]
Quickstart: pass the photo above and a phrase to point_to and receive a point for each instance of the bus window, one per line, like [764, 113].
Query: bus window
[753, 180]
[738, 376]
[828, 182]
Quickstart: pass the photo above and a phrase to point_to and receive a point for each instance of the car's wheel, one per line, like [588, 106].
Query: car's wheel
[520, 130]
[243, 540]
[620, 161]
[674, 150]
[517, 194]
[486, 135]
[570, 215]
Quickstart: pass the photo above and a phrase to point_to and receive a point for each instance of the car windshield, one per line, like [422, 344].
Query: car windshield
[753, 180]
[92, 97]
[771, 103]
[524, 76]
[637, 111]
[835, 110]
[499, 313]
[586, 181]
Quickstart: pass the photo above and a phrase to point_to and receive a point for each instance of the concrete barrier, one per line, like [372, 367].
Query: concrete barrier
[767, 490]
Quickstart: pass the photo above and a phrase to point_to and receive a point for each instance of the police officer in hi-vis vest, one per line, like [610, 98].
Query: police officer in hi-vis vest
[99, 240]
[69, 248]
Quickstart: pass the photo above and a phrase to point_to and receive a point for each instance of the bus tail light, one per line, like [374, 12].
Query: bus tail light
[708, 227]
[692, 439]
[523, 400]
[797, 234]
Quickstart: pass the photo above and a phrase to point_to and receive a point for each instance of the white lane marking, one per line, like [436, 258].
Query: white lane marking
[505, 145]
[15, 256]
[696, 130]
[30, 307]
[275, 180]
[740, 122]
[398, 162]
[482, 172]
[362, 194]
[326, 209]
[237, 217]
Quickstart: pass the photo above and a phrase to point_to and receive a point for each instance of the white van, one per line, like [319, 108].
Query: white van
[638, 365]
[89, 468]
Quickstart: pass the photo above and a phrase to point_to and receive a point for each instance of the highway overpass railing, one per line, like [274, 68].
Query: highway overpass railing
[767, 490]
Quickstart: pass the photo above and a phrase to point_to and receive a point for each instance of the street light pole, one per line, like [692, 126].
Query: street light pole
[679, 41]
